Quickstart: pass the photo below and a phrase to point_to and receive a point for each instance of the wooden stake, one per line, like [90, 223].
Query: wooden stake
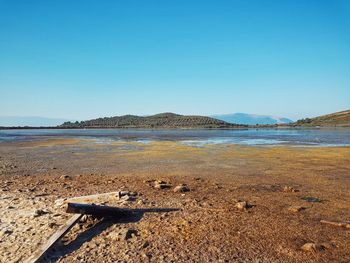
[110, 211]
[39, 256]
[88, 199]
[97, 210]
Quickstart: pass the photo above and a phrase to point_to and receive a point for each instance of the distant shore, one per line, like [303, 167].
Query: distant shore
[174, 128]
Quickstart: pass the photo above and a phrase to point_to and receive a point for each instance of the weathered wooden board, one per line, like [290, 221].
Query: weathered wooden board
[110, 211]
[89, 199]
[39, 256]
[98, 210]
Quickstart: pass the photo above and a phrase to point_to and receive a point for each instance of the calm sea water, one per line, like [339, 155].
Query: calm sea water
[301, 137]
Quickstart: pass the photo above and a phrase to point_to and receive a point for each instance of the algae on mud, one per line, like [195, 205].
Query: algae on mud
[208, 228]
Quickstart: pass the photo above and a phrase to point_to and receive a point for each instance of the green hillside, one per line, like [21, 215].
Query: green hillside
[162, 120]
[338, 119]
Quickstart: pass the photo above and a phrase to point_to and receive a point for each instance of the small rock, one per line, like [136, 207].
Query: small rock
[7, 231]
[122, 193]
[311, 199]
[52, 225]
[39, 212]
[160, 182]
[65, 177]
[242, 205]
[161, 185]
[140, 202]
[296, 209]
[312, 247]
[289, 189]
[33, 189]
[181, 188]
[127, 198]
[130, 233]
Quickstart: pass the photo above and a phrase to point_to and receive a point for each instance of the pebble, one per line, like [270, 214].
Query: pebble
[130, 233]
[123, 193]
[181, 188]
[312, 247]
[65, 177]
[127, 196]
[160, 182]
[242, 205]
[296, 209]
[140, 202]
[289, 189]
[161, 185]
[39, 212]
[7, 231]
[311, 199]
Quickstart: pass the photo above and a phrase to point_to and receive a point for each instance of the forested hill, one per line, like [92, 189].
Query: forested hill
[339, 119]
[162, 120]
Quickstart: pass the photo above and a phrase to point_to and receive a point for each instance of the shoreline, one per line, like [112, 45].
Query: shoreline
[181, 128]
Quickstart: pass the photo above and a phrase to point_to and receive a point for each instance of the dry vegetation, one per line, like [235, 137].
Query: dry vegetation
[338, 119]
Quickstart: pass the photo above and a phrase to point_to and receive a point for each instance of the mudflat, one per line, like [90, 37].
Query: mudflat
[236, 203]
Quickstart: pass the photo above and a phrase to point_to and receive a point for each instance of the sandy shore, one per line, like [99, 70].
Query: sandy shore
[208, 227]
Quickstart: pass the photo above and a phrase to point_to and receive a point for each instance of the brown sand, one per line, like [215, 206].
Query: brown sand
[208, 228]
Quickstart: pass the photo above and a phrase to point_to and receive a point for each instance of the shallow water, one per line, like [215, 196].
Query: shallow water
[297, 137]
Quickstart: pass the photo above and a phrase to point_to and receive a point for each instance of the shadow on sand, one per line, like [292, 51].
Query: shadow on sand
[136, 215]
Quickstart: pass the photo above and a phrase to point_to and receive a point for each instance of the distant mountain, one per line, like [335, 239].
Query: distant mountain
[15, 121]
[162, 120]
[338, 119]
[251, 119]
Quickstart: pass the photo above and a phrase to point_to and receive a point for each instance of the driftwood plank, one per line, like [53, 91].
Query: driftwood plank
[40, 254]
[97, 210]
[110, 211]
[95, 198]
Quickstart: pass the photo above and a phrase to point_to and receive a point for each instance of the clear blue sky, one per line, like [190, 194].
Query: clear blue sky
[84, 59]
